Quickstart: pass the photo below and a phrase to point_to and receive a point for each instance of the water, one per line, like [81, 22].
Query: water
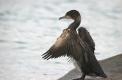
[28, 28]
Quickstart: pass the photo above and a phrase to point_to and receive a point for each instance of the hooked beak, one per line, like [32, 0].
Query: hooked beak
[65, 17]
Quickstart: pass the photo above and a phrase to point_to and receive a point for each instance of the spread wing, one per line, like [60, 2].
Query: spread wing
[62, 46]
[85, 36]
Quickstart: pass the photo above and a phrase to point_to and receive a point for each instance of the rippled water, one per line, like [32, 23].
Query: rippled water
[29, 27]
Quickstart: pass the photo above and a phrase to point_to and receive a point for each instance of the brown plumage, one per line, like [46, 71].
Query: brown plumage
[85, 36]
[79, 46]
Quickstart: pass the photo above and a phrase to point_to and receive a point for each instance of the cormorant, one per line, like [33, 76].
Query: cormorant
[79, 46]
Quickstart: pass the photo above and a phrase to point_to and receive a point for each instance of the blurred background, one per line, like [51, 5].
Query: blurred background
[29, 27]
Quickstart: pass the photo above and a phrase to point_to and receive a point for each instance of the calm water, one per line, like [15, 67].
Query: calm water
[29, 27]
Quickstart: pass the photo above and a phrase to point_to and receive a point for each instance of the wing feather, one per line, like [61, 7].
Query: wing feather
[86, 37]
[62, 46]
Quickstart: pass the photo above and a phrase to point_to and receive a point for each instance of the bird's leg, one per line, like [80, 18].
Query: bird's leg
[81, 78]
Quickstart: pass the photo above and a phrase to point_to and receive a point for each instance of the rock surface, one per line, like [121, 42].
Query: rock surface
[111, 66]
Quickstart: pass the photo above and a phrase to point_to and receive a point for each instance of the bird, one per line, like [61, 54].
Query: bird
[76, 44]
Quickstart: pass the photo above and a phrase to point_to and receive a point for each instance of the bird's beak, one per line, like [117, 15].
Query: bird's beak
[65, 17]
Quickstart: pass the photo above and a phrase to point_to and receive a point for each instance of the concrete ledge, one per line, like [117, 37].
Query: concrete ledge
[111, 66]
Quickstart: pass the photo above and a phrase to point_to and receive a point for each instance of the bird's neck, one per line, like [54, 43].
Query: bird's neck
[75, 24]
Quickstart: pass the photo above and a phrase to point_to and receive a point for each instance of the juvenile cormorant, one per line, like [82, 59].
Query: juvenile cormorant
[79, 46]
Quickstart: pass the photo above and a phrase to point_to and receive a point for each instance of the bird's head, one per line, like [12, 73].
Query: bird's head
[72, 14]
